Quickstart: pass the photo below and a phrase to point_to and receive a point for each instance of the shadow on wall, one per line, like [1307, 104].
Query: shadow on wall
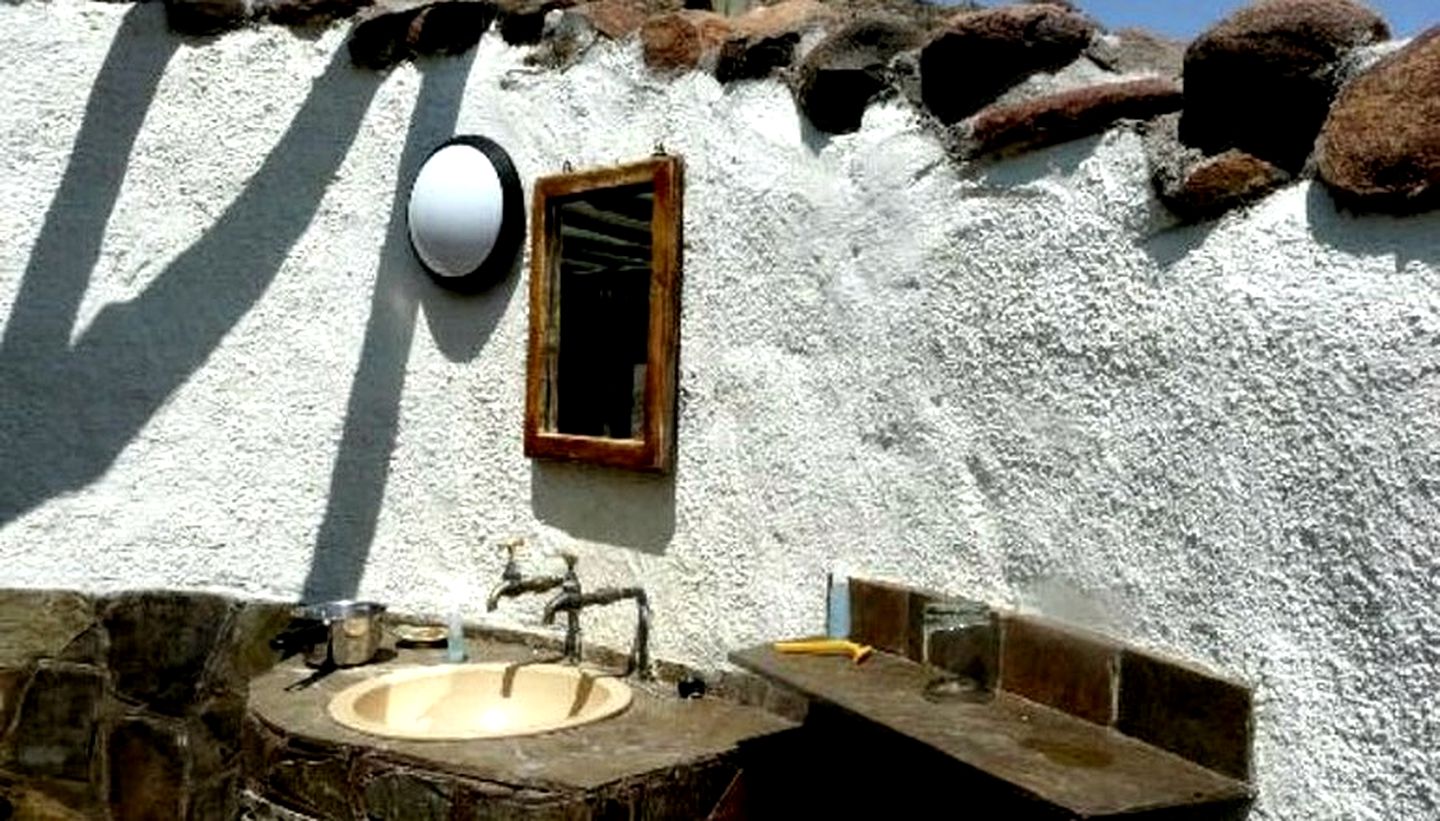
[1410, 238]
[66, 411]
[634, 510]
[460, 325]
[1014, 172]
[1169, 246]
[1413, 238]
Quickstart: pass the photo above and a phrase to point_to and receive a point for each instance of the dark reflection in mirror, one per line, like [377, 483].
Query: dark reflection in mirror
[600, 315]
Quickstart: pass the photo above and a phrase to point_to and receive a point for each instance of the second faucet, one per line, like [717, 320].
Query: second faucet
[571, 600]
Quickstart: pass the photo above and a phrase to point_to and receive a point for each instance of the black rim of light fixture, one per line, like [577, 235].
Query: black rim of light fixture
[501, 259]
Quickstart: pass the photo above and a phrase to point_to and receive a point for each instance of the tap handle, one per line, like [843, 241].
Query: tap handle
[572, 580]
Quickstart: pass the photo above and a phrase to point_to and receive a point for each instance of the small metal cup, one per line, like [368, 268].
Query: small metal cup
[352, 635]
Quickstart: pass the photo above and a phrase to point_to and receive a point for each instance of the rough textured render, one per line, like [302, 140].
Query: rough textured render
[220, 368]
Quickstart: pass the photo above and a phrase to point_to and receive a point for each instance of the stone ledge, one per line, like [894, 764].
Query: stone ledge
[1078, 672]
[1072, 766]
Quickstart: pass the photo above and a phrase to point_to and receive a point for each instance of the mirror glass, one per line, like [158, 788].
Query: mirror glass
[600, 312]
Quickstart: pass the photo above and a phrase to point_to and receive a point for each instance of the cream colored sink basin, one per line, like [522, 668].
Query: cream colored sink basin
[449, 702]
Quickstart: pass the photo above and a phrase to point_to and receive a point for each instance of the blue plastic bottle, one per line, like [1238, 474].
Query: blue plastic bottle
[837, 609]
[455, 638]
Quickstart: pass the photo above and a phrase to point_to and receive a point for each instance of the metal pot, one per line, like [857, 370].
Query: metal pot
[349, 633]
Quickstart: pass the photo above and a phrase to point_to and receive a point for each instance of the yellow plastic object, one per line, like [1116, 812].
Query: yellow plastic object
[826, 647]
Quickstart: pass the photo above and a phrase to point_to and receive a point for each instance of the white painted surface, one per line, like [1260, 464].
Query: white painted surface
[455, 210]
[1015, 382]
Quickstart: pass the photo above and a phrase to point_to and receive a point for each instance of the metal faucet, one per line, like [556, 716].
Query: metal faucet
[512, 583]
[571, 600]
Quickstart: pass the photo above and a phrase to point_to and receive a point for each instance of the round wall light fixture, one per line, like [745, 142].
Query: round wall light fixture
[466, 214]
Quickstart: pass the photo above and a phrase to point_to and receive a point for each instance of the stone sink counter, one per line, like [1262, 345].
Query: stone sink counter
[1069, 766]
[662, 757]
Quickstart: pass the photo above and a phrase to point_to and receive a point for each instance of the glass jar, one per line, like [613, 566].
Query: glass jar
[961, 637]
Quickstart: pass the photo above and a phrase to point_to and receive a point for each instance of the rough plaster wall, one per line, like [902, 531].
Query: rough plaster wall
[1014, 382]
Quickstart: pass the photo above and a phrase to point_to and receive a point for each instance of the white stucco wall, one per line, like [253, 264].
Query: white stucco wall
[1016, 382]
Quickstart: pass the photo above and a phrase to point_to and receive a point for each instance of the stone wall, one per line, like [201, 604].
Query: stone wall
[299, 778]
[127, 706]
[1249, 97]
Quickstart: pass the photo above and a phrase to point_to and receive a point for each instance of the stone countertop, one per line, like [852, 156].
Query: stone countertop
[1082, 768]
[658, 730]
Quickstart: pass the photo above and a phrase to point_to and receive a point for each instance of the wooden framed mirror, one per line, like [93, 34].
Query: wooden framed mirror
[605, 315]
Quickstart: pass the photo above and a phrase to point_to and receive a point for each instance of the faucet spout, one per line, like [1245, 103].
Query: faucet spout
[516, 587]
[496, 595]
[500, 591]
[572, 602]
[565, 601]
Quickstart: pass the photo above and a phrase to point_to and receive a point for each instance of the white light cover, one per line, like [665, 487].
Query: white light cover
[455, 210]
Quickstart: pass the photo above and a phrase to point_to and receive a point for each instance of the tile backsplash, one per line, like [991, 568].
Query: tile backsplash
[1065, 669]
[880, 616]
[1186, 711]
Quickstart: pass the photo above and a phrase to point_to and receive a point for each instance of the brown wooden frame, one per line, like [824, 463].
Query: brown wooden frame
[654, 451]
